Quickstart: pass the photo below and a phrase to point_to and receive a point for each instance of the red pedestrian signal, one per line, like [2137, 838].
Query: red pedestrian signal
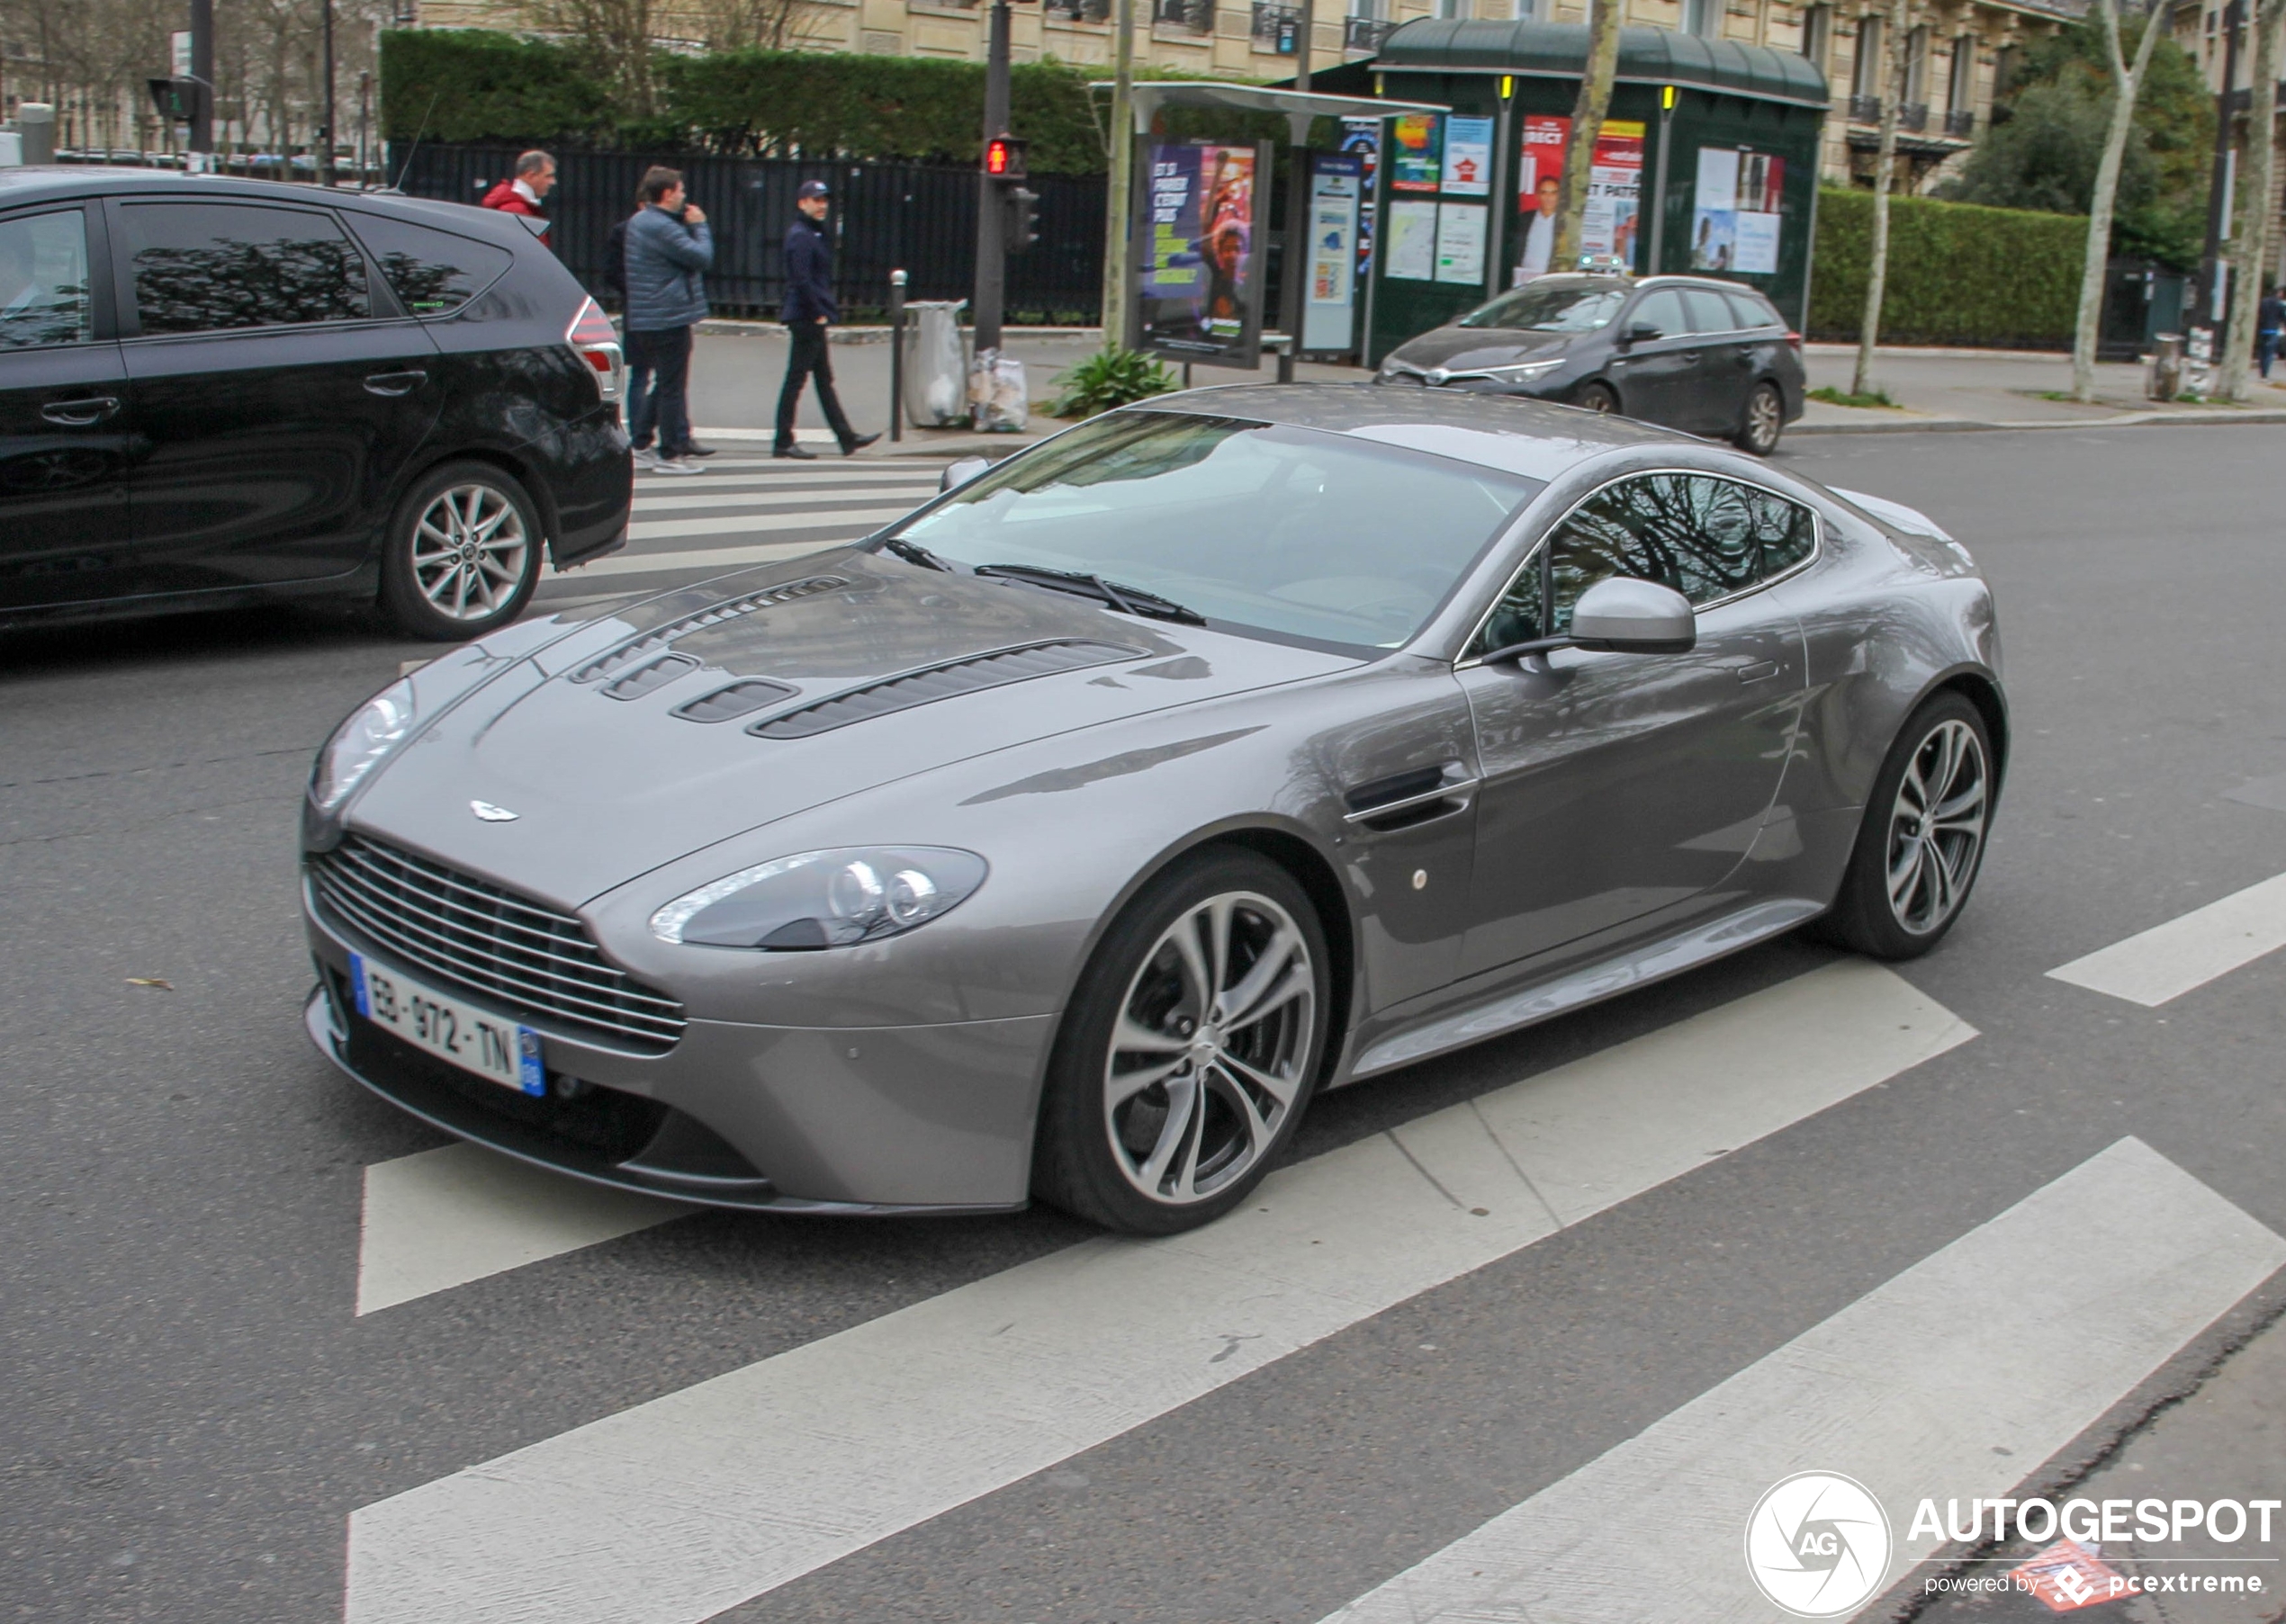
[1004, 158]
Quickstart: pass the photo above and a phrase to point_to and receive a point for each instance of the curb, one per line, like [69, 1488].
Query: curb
[1944, 425]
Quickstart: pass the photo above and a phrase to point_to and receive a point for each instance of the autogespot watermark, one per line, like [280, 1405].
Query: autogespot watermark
[1819, 1545]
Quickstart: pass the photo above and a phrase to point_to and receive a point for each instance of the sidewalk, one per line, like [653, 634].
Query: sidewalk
[738, 366]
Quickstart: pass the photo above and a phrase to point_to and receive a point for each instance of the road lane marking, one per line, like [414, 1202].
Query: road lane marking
[446, 1216]
[2017, 1337]
[685, 500]
[713, 559]
[856, 521]
[2169, 960]
[675, 1509]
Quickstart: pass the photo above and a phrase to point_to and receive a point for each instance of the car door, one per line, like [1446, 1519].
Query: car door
[64, 425]
[1718, 384]
[279, 392]
[1655, 375]
[1613, 786]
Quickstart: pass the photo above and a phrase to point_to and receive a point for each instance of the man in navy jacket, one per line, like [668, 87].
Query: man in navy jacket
[807, 312]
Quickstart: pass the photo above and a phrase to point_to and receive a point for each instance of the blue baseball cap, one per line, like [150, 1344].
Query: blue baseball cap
[809, 189]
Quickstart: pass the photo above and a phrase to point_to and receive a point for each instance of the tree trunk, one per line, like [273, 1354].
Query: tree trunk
[2257, 205]
[1894, 68]
[1587, 124]
[1118, 189]
[2125, 82]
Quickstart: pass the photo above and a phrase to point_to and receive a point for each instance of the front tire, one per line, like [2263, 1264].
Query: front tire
[1189, 1051]
[1594, 396]
[1922, 840]
[1764, 422]
[463, 553]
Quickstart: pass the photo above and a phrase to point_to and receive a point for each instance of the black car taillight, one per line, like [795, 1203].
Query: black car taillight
[596, 341]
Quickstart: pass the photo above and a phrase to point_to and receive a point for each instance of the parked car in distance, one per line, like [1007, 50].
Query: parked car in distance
[216, 391]
[1710, 357]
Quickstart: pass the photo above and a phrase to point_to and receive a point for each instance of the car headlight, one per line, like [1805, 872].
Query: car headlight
[1524, 370]
[824, 899]
[372, 730]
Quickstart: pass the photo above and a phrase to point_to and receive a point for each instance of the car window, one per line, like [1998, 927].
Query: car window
[1663, 309]
[433, 272]
[1550, 307]
[43, 281]
[1707, 537]
[213, 267]
[1710, 311]
[1752, 312]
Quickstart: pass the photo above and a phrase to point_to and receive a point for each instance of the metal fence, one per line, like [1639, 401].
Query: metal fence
[918, 218]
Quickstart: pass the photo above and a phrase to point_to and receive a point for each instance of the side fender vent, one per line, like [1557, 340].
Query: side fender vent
[653, 641]
[946, 681]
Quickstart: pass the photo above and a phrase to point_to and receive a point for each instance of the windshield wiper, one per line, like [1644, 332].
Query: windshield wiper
[913, 552]
[1128, 600]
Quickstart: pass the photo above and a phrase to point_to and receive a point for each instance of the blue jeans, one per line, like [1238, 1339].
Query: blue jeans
[2266, 347]
[658, 388]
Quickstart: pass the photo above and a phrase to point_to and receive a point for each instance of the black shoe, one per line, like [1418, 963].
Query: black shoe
[797, 453]
[696, 450]
[850, 448]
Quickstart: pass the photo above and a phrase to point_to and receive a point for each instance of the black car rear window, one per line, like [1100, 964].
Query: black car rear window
[433, 272]
[206, 267]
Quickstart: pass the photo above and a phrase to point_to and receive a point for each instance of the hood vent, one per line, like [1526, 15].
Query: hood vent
[640, 681]
[653, 641]
[739, 699]
[941, 682]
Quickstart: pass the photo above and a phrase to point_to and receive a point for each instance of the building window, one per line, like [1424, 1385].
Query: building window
[1817, 34]
[1917, 66]
[1865, 73]
[1961, 85]
[1702, 17]
[1451, 9]
[1527, 11]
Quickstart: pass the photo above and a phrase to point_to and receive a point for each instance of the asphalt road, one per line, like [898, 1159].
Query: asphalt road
[194, 1407]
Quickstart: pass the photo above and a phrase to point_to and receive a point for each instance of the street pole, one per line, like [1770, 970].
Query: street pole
[991, 254]
[364, 122]
[325, 153]
[1297, 279]
[897, 355]
[1659, 182]
[203, 70]
[1117, 194]
[2211, 271]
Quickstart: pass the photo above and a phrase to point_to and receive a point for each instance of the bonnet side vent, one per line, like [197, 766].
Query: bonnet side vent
[739, 699]
[653, 641]
[941, 682]
[643, 678]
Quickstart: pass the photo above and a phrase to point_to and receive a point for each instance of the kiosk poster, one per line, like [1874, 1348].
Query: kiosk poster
[1326, 321]
[1417, 151]
[1360, 138]
[1468, 157]
[1614, 190]
[1200, 274]
[1735, 211]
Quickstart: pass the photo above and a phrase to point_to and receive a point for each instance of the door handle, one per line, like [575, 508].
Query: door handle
[395, 384]
[80, 413]
[1758, 671]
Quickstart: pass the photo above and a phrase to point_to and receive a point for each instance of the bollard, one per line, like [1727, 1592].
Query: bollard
[2165, 380]
[897, 355]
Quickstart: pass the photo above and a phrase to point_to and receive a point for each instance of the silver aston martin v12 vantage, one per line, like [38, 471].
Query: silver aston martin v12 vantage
[1063, 839]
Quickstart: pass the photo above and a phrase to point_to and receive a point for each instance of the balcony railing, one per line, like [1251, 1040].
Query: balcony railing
[1362, 36]
[1865, 110]
[1192, 16]
[1913, 116]
[1962, 125]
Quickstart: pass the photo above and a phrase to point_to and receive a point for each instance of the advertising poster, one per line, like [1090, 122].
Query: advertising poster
[1360, 138]
[1412, 241]
[1201, 275]
[1735, 211]
[1468, 157]
[1460, 242]
[1614, 190]
[1327, 315]
[1417, 150]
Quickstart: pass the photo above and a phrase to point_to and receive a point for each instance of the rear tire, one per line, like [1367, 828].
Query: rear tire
[463, 553]
[1190, 1049]
[1764, 422]
[1594, 396]
[1922, 840]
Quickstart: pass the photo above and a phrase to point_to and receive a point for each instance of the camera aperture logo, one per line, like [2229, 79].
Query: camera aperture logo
[1818, 1544]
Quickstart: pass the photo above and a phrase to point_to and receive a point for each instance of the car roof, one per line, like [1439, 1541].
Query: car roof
[1664, 280]
[1534, 438]
[38, 184]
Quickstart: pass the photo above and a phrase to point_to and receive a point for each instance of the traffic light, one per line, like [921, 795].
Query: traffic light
[177, 100]
[1023, 220]
[1004, 158]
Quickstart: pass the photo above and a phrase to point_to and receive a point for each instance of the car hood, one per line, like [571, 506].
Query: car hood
[1459, 348]
[888, 669]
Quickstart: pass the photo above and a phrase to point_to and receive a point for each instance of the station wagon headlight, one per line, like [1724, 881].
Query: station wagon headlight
[823, 898]
[1524, 370]
[357, 746]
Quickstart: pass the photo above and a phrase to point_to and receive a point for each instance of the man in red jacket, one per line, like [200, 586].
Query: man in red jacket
[526, 192]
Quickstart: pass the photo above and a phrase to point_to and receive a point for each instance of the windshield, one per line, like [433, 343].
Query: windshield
[1292, 532]
[1551, 308]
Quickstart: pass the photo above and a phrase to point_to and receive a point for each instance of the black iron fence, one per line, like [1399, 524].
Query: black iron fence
[918, 218]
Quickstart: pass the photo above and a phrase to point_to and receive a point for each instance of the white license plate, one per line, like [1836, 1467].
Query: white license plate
[449, 1028]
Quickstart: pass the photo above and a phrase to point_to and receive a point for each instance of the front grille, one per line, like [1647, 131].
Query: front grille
[478, 936]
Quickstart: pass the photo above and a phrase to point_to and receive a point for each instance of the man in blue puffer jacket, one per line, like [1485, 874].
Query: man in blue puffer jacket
[668, 251]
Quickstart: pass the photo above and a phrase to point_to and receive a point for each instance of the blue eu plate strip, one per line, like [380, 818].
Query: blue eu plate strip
[533, 1077]
[357, 985]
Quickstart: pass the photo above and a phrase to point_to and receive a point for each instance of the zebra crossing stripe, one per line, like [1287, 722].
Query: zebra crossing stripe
[1948, 1381]
[674, 1509]
[2165, 962]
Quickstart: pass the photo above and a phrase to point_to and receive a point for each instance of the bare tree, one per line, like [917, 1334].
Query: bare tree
[771, 24]
[1891, 77]
[1587, 123]
[2125, 82]
[2257, 204]
[618, 35]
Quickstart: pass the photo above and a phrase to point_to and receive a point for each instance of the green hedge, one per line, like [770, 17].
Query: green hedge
[472, 85]
[1959, 273]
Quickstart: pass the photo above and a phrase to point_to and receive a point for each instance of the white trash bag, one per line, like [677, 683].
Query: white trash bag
[999, 402]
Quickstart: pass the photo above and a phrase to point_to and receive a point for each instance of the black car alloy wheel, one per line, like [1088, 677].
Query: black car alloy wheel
[463, 553]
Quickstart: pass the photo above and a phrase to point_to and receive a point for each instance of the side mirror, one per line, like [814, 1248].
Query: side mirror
[1618, 615]
[959, 473]
[1641, 332]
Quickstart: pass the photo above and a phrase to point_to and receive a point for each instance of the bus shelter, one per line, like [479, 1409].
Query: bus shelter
[1707, 162]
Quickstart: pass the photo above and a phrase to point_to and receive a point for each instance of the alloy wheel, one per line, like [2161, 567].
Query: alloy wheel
[1209, 1052]
[1764, 420]
[1937, 827]
[470, 551]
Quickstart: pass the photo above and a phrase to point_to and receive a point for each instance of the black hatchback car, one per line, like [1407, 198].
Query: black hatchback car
[215, 391]
[1711, 357]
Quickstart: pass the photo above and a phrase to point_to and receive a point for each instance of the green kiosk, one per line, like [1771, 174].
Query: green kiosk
[1707, 161]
